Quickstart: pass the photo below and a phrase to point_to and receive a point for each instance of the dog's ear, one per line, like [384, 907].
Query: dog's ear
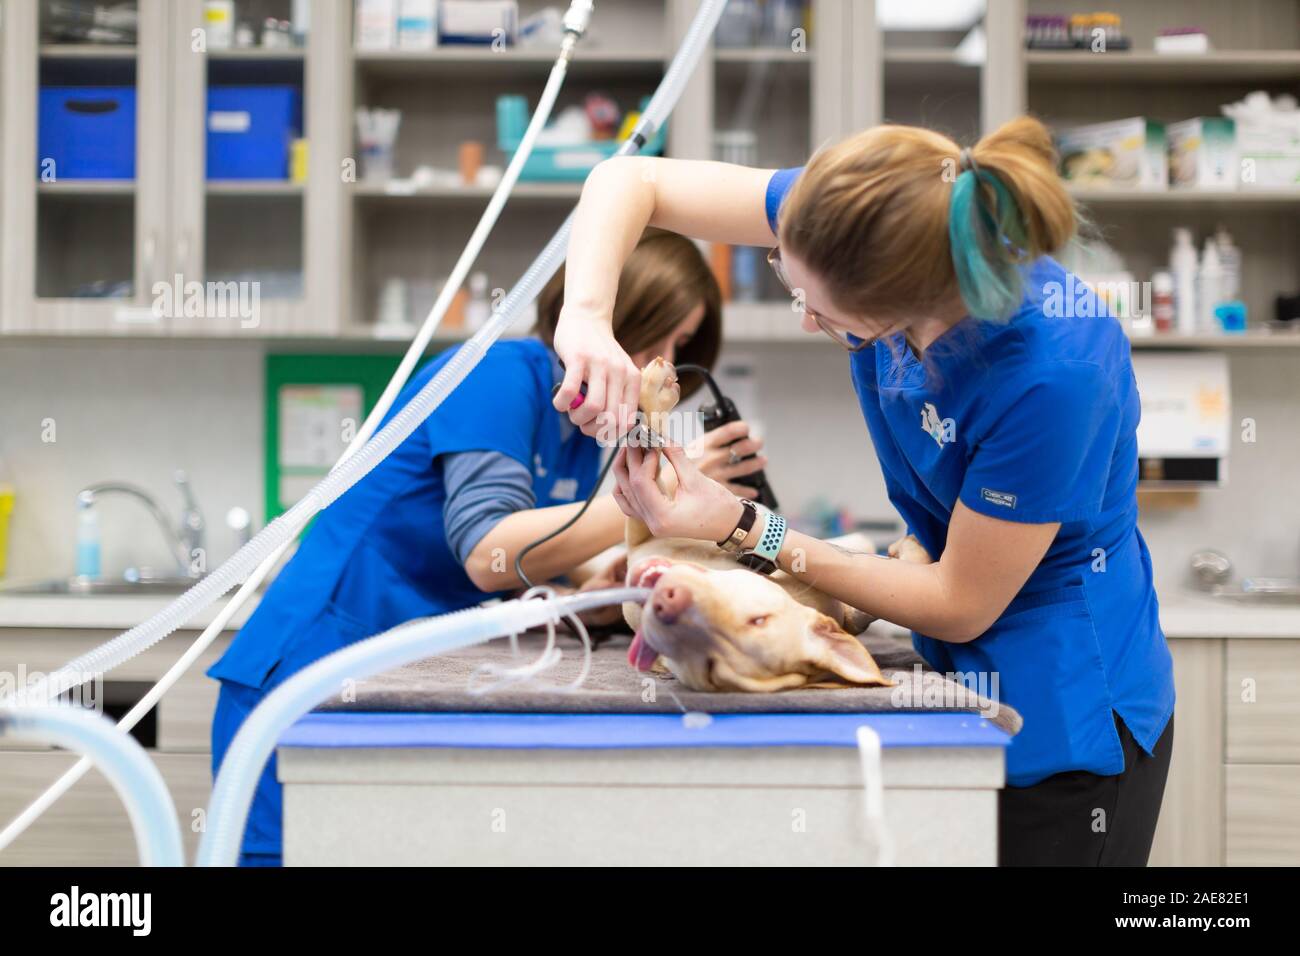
[832, 648]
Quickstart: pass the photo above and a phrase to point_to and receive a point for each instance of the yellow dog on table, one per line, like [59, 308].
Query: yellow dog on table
[721, 627]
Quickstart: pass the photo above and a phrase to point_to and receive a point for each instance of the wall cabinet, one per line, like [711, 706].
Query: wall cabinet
[168, 251]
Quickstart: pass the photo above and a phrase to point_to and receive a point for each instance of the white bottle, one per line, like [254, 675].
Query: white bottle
[1209, 288]
[219, 23]
[1182, 263]
[479, 308]
[1230, 260]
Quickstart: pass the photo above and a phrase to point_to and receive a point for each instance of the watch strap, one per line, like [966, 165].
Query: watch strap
[748, 515]
[764, 554]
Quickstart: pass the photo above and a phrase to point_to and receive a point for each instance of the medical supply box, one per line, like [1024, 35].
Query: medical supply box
[568, 163]
[251, 130]
[1202, 153]
[1124, 154]
[478, 21]
[86, 132]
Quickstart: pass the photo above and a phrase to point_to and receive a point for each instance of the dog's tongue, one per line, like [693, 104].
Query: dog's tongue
[641, 655]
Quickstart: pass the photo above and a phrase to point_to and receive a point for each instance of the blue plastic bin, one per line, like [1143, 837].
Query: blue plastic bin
[87, 131]
[558, 164]
[251, 130]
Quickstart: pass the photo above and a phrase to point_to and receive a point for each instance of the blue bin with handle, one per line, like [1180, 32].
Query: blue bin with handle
[251, 130]
[558, 163]
[86, 132]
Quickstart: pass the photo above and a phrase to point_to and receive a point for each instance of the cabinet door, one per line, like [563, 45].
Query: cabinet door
[254, 242]
[89, 826]
[1190, 831]
[85, 223]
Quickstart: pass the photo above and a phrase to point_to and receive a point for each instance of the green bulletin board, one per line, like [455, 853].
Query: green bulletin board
[293, 384]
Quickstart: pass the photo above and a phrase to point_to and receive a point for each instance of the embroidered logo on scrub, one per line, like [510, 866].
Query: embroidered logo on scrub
[999, 498]
[564, 489]
[942, 431]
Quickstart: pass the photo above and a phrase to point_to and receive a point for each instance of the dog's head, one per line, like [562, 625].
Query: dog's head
[737, 630]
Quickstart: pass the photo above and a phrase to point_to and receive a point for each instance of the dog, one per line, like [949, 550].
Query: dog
[717, 626]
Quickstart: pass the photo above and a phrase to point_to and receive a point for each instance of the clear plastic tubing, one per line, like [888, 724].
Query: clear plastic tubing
[120, 758]
[143, 636]
[232, 795]
[576, 21]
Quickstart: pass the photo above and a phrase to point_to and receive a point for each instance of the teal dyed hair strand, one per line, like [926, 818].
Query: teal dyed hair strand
[986, 245]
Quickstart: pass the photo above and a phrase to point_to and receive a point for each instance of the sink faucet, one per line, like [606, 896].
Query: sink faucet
[183, 538]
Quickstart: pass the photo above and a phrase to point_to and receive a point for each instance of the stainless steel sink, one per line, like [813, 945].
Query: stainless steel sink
[1270, 591]
[85, 587]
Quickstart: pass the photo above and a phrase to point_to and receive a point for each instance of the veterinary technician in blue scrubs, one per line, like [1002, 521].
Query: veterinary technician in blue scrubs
[1004, 418]
[437, 525]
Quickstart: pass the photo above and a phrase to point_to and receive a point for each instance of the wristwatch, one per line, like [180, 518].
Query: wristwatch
[762, 557]
[748, 515]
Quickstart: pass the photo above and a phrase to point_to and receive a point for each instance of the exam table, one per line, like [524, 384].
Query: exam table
[435, 776]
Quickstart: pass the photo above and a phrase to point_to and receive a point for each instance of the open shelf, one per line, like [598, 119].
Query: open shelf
[1139, 66]
[87, 51]
[510, 62]
[257, 54]
[253, 187]
[88, 187]
[776, 54]
[568, 192]
[1185, 197]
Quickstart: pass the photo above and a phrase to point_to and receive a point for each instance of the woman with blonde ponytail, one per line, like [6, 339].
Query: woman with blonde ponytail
[1003, 409]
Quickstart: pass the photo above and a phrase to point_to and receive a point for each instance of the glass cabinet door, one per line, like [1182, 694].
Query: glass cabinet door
[85, 179]
[240, 157]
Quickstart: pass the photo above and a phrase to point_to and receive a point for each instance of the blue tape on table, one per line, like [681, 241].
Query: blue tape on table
[631, 731]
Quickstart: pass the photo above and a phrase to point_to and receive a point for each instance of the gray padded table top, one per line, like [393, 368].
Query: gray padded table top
[443, 684]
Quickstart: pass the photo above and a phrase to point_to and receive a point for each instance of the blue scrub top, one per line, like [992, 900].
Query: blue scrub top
[378, 556]
[1033, 420]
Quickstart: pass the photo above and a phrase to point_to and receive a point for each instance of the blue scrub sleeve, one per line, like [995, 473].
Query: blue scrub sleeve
[483, 487]
[1042, 448]
[777, 187]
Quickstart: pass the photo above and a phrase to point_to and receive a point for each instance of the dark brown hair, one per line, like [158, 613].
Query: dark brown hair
[663, 281]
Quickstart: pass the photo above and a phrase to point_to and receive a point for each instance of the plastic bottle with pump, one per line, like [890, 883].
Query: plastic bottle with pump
[1230, 260]
[1182, 263]
[1209, 288]
[88, 542]
[7, 496]
[479, 308]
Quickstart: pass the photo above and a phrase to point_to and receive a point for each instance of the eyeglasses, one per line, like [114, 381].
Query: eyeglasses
[839, 335]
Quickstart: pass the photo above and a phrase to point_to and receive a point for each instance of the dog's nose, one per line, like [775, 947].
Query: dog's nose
[669, 601]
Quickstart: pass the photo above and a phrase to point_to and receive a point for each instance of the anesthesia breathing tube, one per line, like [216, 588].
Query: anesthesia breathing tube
[251, 563]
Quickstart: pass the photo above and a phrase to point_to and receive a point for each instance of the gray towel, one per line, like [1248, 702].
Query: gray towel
[442, 684]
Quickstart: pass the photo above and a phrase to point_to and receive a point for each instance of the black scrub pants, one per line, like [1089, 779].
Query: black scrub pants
[1083, 819]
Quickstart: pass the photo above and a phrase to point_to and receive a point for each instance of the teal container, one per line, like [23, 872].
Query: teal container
[558, 164]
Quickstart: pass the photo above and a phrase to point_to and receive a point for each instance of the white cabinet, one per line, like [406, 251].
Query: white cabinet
[168, 251]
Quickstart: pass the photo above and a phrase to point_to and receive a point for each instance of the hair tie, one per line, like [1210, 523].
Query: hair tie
[965, 161]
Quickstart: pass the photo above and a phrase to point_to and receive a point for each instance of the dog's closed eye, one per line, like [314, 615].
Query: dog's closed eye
[758, 621]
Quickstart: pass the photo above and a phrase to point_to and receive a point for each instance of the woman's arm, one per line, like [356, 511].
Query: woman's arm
[703, 200]
[984, 564]
[491, 562]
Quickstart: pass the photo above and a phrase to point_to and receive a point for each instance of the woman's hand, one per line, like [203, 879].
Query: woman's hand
[718, 458]
[590, 354]
[702, 508]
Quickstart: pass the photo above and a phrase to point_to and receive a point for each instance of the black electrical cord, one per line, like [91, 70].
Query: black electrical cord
[604, 471]
[591, 496]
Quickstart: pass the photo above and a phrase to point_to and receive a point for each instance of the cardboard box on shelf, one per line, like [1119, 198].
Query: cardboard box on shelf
[1202, 153]
[1124, 154]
